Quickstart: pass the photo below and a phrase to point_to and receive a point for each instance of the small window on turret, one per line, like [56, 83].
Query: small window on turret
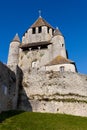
[39, 29]
[33, 30]
[62, 45]
[61, 68]
[48, 29]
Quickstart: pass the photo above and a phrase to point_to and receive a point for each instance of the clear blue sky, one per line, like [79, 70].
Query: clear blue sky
[69, 15]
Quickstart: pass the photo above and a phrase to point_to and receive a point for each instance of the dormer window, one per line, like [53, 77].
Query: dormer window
[33, 30]
[39, 29]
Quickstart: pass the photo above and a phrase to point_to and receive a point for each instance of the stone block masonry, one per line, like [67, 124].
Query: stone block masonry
[54, 92]
[7, 88]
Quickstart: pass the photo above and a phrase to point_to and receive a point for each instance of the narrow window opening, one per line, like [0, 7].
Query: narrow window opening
[33, 30]
[39, 29]
[52, 31]
[48, 29]
[4, 89]
[62, 45]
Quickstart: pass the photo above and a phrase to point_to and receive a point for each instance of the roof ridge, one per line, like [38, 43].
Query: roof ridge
[40, 22]
[59, 60]
[57, 32]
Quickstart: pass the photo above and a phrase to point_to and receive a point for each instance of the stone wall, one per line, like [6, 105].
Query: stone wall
[26, 58]
[8, 93]
[67, 67]
[54, 92]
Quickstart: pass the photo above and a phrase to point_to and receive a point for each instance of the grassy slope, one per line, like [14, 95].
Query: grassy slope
[41, 121]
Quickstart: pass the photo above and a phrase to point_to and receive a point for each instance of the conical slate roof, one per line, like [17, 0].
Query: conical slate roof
[57, 32]
[16, 38]
[59, 60]
[41, 22]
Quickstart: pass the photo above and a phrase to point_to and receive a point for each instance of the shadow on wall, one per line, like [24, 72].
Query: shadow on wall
[23, 100]
[10, 93]
[7, 114]
[7, 88]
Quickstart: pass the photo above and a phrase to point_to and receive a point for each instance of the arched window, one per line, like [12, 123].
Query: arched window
[62, 69]
[34, 64]
[4, 88]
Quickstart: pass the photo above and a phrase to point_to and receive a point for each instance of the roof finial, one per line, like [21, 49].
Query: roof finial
[57, 28]
[16, 34]
[39, 13]
[16, 38]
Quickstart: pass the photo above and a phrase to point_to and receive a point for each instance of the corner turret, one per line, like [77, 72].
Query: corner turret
[59, 44]
[13, 56]
[16, 38]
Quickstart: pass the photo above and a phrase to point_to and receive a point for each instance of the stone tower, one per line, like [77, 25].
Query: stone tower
[58, 44]
[40, 31]
[13, 55]
[41, 43]
[35, 43]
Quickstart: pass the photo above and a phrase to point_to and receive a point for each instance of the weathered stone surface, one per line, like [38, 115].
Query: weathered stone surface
[13, 56]
[55, 92]
[8, 98]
